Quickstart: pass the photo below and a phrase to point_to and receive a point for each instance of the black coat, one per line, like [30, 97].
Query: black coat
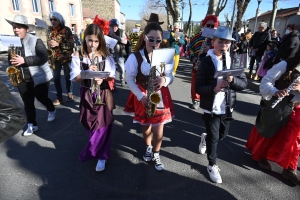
[259, 41]
[12, 118]
[243, 46]
[288, 46]
[205, 82]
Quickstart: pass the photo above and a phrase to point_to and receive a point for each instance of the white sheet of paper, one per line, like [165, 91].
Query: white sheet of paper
[166, 34]
[208, 32]
[10, 40]
[110, 42]
[229, 72]
[135, 30]
[165, 55]
[40, 23]
[178, 34]
[88, 74]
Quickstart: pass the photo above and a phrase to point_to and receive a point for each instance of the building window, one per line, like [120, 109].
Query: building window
[16, 5]
[35, 6]
[72, 10]
[51, 5]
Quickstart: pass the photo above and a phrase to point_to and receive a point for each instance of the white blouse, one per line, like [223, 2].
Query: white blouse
[267, 87]
[76, 68]
[131, 68]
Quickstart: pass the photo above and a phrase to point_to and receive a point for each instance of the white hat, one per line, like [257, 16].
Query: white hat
[223, 33]
[21, 19]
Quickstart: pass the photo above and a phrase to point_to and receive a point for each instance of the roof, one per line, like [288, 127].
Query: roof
[88, 13]
[280, 13]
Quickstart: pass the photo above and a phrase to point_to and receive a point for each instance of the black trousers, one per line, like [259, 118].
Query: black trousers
[216, 129]
[28, 92]
[252, 61]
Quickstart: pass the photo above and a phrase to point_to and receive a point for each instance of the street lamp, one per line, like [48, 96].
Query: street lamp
[258, 1]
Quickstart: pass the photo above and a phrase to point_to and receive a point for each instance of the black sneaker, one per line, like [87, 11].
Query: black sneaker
[158, 165]
[148, 154]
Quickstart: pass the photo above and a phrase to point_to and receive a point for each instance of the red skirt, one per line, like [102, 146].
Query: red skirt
[283, 148]
[162, 115]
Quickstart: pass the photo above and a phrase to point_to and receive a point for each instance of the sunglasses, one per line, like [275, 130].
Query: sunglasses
[152, 40]
[53, 19]
[210, 25]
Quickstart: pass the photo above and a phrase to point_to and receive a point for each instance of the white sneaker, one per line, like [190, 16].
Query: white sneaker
[100, 165]
[202, 145]
[148, 154]
[51, 116]
[214, 173]
[30, 130]
[158, 164]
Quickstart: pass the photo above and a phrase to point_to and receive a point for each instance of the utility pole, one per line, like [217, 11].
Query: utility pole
[182, 7]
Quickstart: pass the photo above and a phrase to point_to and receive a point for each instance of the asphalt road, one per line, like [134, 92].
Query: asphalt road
[45, 166]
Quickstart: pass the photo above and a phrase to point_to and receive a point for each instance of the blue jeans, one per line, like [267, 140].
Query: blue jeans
[216, 129]
[120, 65]
[56, 72]
[253, 59]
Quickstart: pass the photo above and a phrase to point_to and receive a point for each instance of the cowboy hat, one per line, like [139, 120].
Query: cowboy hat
[223, 32]
[21, 19]
[153, 18]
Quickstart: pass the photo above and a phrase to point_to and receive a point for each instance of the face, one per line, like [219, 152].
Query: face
[54, 22]
[92, 41]
[261, 29]
[176, 29]
[20, 31]
[153, 38]
[220, 45]
[137, 27]
[241, 38]
[115, 28]
[274, 33]
[210, 24]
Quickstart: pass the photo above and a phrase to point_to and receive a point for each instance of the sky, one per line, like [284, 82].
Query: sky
[132, 8]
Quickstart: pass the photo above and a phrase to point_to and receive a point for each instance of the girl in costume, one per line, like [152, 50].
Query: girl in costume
[96, 119]
[137, 73]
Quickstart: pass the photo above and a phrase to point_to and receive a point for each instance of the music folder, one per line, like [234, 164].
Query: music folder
[229, 72]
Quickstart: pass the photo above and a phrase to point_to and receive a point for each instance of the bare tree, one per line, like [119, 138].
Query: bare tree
[274, 12]
[190, 16]
[241, 8]
[215, 7]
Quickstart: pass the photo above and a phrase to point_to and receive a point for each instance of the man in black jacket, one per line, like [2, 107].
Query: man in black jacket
[12, 118]
[212, 95]
[257, 45]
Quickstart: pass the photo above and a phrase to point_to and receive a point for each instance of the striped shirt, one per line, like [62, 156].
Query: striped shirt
[134, 38]
[196, 44]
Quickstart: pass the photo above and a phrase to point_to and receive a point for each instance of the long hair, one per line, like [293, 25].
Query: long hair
[94, 29]
[150, 27]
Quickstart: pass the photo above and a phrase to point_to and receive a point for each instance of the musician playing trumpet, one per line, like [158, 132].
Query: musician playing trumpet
[212, 92]
[96, 119]
[35, 71]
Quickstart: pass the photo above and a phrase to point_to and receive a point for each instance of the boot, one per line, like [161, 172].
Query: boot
[291, 175]
[265, 164]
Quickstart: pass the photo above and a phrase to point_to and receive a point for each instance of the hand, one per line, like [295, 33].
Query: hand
[17, 61]
[53, 43]
[222, 84]
[159, 82]
[230, 79]
[296, 86]
[177, 38]
[93, 68]
[281, 93]
[145, 100]
[99, 80]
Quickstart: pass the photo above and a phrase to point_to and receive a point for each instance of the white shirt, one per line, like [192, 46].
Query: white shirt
[76, 68]
[267, 87]
[219, 101]
[131, 68]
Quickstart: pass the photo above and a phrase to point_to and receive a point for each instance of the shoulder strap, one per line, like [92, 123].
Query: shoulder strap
[139, 59]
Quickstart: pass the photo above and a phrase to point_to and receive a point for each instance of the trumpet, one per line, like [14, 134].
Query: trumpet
[96, 86]
[14, 74]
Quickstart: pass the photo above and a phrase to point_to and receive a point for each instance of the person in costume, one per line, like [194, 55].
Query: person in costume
[96, 119]
[195, 46]
[284, 147]
[176, 41]
[213, 97]
[134, 37]
[137, 73]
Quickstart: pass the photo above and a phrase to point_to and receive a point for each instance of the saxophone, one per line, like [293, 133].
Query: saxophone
[49, 50]
[14, 74]
[153, 96]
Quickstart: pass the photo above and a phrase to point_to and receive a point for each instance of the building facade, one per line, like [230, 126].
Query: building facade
[71, 10]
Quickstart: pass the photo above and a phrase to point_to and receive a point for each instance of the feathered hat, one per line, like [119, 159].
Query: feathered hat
[102, 23]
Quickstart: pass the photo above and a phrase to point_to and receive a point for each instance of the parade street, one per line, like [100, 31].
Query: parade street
[45, 165]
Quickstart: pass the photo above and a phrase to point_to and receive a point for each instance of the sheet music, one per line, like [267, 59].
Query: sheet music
[110, 42]
[165, 55]
[10, 40]
[229, 72]
[88, 74]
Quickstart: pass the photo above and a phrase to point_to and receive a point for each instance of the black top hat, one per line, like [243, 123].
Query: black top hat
[153, 18]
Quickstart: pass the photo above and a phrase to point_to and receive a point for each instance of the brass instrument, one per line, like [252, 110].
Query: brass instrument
[51, 58]
[96, 86]
[14, 74]
[228, 113]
